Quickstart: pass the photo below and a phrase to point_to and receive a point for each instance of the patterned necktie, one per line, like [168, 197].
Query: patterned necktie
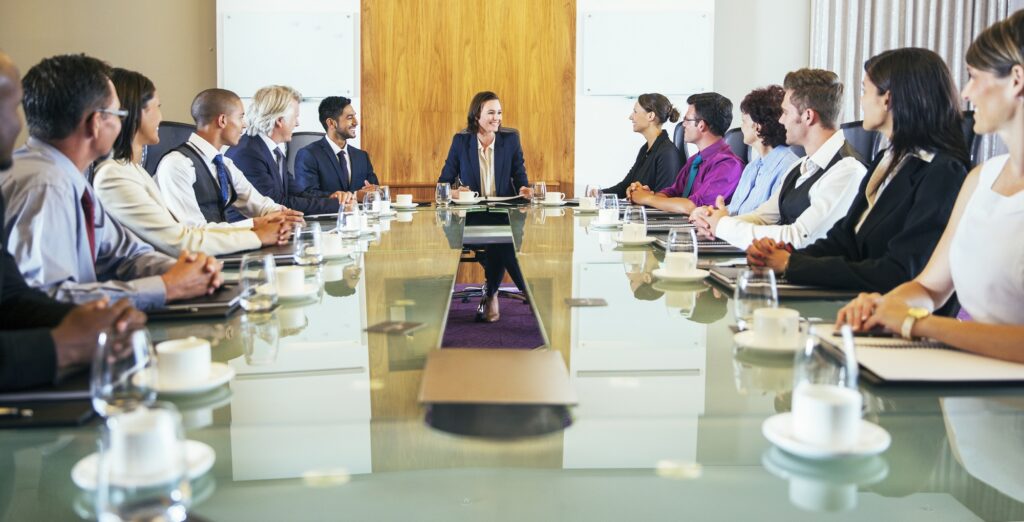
[697, 160]
[279, 158]
[345, 176]
[90, 222]
[223, 179]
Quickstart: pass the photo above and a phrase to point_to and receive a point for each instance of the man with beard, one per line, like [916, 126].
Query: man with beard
[331, 167]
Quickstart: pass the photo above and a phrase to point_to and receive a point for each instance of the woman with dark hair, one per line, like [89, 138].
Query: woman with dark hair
[488, 159]
[980, 254]
[903, 205]
[132, 197]
[657, 162]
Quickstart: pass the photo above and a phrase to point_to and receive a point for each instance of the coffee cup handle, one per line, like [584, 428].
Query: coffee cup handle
[561, 197]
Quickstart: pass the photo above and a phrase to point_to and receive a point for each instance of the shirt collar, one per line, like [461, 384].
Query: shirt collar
[828, 150]
[712, 149]
[920, 154]
[205, 147]
[480, 146]
[59, 159]
[270, 144]
[334, 146]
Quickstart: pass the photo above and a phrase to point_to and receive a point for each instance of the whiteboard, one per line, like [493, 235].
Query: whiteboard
[619, 57]
[314, 52]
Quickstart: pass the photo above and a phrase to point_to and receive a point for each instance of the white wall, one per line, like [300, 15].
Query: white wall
[755, 43]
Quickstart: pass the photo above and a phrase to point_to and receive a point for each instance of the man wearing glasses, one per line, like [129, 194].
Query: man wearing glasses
[714, 171]
[64, 242]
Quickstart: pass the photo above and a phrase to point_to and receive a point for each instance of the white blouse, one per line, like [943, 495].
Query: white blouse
[986, 257]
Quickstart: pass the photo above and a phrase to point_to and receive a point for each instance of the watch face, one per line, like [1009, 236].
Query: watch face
[918, 313]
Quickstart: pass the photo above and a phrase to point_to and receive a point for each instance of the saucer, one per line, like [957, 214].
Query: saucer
[747, 339]
[220, 374]
[389, 213]
[308, 291]
[598, 224]
[628, 242]
[466, 202]
[199, 456]
[696, 275]
[662, 285]
[553, 203]
[401, 206]
[871, 440]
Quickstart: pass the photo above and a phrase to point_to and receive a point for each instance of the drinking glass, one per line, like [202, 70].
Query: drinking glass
[755, 288]
[124, 372]
[372, 202]
[260, 335]
[385, 194]
[540, 190]
[443, 194]
[593, 191]
[259, 282]
[608, 209]
[307, 243]
[142, 470]
[635, 215]
[350, 222]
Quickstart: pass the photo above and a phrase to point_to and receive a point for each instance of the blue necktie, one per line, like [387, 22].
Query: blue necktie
[223, 178]
[697, 160]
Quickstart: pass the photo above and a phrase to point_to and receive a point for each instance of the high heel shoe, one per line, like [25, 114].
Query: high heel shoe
[487, 311]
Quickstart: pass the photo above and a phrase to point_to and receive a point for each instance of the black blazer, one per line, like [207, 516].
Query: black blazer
[254, 159]
[898, 236]
[463, 162]
[27, 354]
[656, 169]
[318, 171]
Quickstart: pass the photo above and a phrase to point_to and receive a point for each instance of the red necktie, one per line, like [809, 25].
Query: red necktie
[90, 225]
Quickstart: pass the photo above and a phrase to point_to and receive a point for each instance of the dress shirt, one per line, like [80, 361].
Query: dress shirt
[717, 175]
[275, 149]
[175, 176]
[655, 167]
[132, 197]
[761, 178]
[48, 238]
[830, 198]
[881, 177]
[486, 168]
[348, 158]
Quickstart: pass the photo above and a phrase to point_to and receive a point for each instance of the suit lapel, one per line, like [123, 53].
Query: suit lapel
[264, 151]
[334, 162]
[892, 197]
[500, 159]
[473, 154]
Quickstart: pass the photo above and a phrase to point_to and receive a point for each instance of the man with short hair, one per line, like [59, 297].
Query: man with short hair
[272, 119]
[819, 189]
[60, 235]
[711, 173]
[331, 167]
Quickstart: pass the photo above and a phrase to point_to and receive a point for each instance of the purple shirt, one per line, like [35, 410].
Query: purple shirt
[717, 175]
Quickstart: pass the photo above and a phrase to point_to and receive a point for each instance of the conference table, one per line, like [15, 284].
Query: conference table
[321, 421]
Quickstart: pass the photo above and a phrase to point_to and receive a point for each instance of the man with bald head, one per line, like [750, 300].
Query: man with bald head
[198, 182]
[41, 337]
[63, 240]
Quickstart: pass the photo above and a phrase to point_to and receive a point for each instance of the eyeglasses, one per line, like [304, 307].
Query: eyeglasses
[120, 113]
[694, 120]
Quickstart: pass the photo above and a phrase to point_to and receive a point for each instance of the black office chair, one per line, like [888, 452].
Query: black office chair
[677, 138]
[172, 134]
[865, 142]
[734, 138]
[299, 141]
[973, 140]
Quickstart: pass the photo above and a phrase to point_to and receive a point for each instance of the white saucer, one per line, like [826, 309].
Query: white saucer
[220, 374]
[778, 429]
[400, 206]
[686, 286]
[696, 275]
[598, 224]
[747, 339]
[308, 291]
[553, 203]
[199, 456]
[632, 242]
[390, 213]
[465, 202]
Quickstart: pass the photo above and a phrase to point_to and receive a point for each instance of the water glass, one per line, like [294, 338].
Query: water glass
[124, 372]
[593, 191]
[540, 191]
[260, 334]
[308, 249]
[608, 209]
[681, 251]
[385, 194]
[259, 282]
[372, 202]
[350, 222]
[755, 288]
[443, 194]
[142, 470]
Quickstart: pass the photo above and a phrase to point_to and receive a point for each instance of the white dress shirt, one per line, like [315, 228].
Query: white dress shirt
[487, 188]
[175, 176]
[348, 160]
[131, 196]
[831, 197]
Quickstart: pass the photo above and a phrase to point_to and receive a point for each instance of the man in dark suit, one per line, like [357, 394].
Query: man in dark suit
[271, 119]
[40, 337]
[331, 167]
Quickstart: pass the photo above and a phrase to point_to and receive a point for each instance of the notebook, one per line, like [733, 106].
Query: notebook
[283, 255]
[221, 303]
[713, 246]
[726, 276]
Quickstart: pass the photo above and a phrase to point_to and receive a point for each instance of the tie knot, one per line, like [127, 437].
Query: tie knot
[341, 153]
[218, 160]
[278, 153]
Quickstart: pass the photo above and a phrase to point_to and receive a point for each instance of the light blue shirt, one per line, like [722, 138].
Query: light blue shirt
[48, 238]
[760, 179]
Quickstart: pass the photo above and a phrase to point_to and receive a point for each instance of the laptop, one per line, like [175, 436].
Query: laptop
[222, 303]
[726, 277]
[282, 256]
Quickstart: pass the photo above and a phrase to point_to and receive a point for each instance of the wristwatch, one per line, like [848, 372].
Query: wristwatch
[913, 315]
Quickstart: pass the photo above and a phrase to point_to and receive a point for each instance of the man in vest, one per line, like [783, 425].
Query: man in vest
[199, 183]
[818, 190]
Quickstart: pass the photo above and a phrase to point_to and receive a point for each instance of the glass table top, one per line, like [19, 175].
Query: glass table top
[322, 422]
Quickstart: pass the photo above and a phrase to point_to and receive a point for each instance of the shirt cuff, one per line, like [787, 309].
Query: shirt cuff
[245, 223]
[150, 293]
[726, 230]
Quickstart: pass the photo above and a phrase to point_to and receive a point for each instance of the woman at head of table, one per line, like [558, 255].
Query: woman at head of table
[657, 163]
[980, 255]
[488, 159]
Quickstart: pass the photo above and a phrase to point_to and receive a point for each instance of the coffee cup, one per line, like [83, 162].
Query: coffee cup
[680, 263]
[587, 203]
[331, 244]
[466, 195]
[145, 446]
[290, 279]
[778, 326]
[826, 415]
[633, 231]
[554, 197]
[607, 215]
[183, 362]
[403, 199]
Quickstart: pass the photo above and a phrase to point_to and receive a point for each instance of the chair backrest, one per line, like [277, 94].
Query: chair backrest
[677, 138]
[171, 135]
[865, 142]
[973, 140]
[300, 140]
[734, 138]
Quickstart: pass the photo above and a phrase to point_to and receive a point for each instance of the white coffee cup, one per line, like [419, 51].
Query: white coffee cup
[466, 195]
[826, 415]
[680, 263]
[183, 362]
[331, 244]
[607, 215]
[633, 231]
[403, 199]
[290, 279]
[554, 197]
[587, 203]
[778, 326]
[140, 441]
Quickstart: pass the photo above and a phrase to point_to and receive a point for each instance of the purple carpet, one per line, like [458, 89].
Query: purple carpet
[517, 327]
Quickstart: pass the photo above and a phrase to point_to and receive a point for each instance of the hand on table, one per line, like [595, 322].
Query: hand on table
[75, 338]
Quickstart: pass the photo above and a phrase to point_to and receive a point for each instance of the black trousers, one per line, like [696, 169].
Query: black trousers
[497, 260]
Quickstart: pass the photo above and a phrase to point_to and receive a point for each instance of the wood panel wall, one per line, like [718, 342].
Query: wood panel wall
[423, 60]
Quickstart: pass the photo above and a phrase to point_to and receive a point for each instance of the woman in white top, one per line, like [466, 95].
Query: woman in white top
[980, 255]
[131, 196]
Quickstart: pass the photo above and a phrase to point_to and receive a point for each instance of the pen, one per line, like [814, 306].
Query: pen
[15, 412]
